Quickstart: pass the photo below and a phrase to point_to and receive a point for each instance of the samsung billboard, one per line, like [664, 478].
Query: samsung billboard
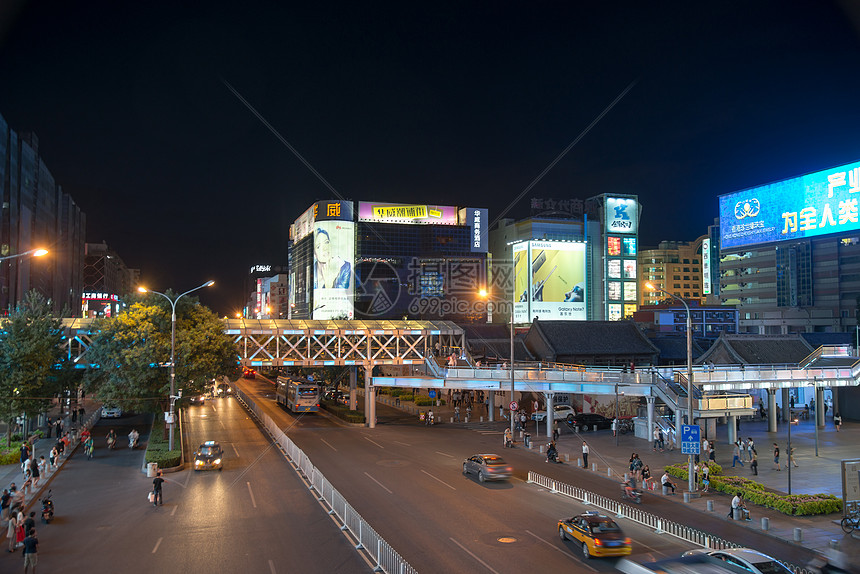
[815, 204]
[550, 281]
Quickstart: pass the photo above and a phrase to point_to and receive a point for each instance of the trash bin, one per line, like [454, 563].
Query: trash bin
[527, 440]
[151, 469]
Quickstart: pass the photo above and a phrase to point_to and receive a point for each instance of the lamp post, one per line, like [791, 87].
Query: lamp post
[788, 454]
[33, 252]
[483, 293]
[617, 429]
[173, 302]
[814, 412]
[690, 484]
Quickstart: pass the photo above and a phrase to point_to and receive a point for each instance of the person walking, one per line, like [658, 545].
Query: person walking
[776, 456]
[750, 448]
[156, 489]
[31, 544]
[754, 463]
[736, 454]
[457, 413]
[791, 458]
[12, 532]
[837, 421]
[711, 452]
[36, 472]
[656, 435]
[469, 413]
[584, 454]
[743, 447]
[30, 522]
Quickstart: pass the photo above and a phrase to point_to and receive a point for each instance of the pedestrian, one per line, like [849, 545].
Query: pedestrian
[555, 430]
[743, 448]
[36, 472]
[711, 452]
[696, 474]
[12, 532]
[25, 467]
[754, 462]
[706, 477]
[457, 414]
[791, 458]
[30, 522]
[584, 454]
[428, 422]
[50, 427]
[670, 440]
[5, 501]
[656, 435]
[776, 456]
[25, 455]
[522, 420]
[661, 439]
[837, 421]
[156, 489]
[31, 544]
[647, 479]
[736, 454]
[750, 448]
[19, 530]
[58, 427]
[81, 413]
[637, 467]
[667, 482]
[43, 465]
[52, 457]
[468, 412]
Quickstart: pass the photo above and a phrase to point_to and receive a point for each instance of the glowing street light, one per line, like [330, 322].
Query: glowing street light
[173, 302]
[34, 252]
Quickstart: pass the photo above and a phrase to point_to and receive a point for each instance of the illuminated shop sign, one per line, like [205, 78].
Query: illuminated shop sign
[407, 213]
[549, 281]
[622, 215]
[477, 221]
[96, 296]
[706, 266]
[816, 204]
[339, 210]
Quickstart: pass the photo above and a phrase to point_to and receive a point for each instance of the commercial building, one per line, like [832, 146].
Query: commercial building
[790, 253]
[267, 286]
[35, 212]
[571, 260]
[706, 321]
[675, 267]
[106, 281]
[379, 260]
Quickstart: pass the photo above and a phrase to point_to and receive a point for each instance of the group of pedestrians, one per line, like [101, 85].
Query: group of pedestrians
[20, 527]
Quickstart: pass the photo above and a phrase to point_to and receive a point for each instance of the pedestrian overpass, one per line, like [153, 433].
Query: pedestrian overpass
[412, 347]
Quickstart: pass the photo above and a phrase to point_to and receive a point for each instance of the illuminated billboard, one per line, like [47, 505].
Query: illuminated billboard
[550, 281]
[407, 213]
[706, 267]
[815, 204]
[334, 270]
[622, 215]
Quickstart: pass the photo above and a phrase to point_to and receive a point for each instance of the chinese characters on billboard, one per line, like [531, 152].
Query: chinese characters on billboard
[815, 204]
[622, 215]
[334, 261]
[404, 213]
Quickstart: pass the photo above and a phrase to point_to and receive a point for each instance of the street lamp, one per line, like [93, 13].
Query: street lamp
[173, 302]
[814, 386]
[485, 295]
[33, 252]
[690, 484]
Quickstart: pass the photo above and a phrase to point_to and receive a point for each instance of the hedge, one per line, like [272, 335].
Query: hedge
[157, 447]
[756, 493]
[426, 402]
[342, 411]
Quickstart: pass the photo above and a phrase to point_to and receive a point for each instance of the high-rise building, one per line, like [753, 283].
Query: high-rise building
[35, 212]
[674, 266]
[106, 281]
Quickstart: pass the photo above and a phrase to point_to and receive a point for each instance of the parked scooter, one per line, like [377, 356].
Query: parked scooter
[47, 508]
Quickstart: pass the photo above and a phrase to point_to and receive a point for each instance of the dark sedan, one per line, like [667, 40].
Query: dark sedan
[591, 421]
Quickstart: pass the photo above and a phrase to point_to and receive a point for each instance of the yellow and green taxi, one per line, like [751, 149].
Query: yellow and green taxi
[598, 535]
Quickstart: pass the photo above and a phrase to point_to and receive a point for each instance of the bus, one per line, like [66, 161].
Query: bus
[298, 394]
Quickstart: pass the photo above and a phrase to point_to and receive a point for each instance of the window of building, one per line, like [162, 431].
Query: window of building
[686, 260]
[686, 269]
[677, 286]
[676, 277]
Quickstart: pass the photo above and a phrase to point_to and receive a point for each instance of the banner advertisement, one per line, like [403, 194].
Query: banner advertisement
[706, 267]
[334, 270]
[521, 282]
[557, 280]
[407, 213]
[815, 204]
[622, 215]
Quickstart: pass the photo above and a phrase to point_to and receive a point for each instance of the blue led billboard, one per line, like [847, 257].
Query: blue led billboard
[815, 204]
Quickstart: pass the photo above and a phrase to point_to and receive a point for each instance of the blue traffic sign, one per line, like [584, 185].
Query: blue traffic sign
[691, 439]
[432, 394]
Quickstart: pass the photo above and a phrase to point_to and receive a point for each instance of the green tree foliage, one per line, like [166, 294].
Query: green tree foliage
[29, 350]
[129, 357]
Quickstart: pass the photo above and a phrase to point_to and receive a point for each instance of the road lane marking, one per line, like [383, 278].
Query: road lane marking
[172, 512]
[214, 410]
[379, 483]
[220, 422]
[374, 442]
[438, 480]
[251, 492]
[331, 447]
[157, 544]
[554, 547]
[272, 567]
[235, 449]
[443, 454]
[467, 551]
[403, 443]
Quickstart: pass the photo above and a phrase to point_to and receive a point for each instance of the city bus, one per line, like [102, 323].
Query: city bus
[298, 394]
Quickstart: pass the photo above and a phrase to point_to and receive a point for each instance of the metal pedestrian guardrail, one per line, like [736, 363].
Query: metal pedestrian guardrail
[660, 525]
[384, 557]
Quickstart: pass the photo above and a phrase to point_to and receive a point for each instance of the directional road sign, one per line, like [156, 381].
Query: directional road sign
[691, 439]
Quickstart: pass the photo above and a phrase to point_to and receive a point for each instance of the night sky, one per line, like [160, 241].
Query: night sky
[413, 102]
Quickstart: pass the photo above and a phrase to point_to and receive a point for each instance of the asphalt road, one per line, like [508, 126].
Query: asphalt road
[254, 516]
[407, 482]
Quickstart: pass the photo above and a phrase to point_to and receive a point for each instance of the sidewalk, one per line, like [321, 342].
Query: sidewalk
[813, 475]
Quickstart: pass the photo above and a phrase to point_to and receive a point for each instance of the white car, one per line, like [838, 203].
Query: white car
[111, 412]
[745, 558]
[559, 412]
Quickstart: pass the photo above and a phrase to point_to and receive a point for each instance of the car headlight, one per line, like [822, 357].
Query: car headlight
[216, 461]
[198, 462]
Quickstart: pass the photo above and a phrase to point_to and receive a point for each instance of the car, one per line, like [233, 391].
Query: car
[209, 456]
[248, 373]
[197, 399]
[111, 412]
[559, 412]
[333, 395]
[224, 390]
[588, 421]
[597, 534]
[487, 467]
[745, 558]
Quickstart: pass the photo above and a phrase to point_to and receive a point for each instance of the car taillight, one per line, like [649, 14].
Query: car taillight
[598, 542]
[509, 469]
[626, 541]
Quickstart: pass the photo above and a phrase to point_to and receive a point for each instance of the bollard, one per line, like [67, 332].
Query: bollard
[578, 462]
[566, 457]
[608, 471]
[710, 506]
[541, 448]
[687, 497]
[594, 466]
[798, 535]
[482, 418]
[452, 420]
[765, 523]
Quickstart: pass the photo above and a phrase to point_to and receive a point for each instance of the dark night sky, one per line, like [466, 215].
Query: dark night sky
[414, 102]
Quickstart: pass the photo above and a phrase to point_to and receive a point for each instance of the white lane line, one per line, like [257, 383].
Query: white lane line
[448, 455]
[214, 410]
[331, 447]
[235, 449]
[222, 424]
[272, 567]
[374, 442]
[438, 480]
[251, 492]
[554, 547]
[379, 483]
[403, 443]
[172, 512]
[466, 550]
[157, 544]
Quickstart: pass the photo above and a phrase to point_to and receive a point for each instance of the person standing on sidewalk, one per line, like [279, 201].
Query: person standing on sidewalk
[5, 501]
[754, 463]
[837, 421]
[750, 448]
[12, 531]
[584, 454]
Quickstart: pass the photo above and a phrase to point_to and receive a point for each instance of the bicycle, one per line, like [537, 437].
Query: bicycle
[850, 522]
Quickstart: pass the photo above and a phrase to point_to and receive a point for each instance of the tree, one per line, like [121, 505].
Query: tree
[29, 350]
[130, 356]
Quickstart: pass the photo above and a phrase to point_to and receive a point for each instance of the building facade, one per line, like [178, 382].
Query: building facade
[674, 266]
[707, 322]
[106, 281]
[35, 212]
